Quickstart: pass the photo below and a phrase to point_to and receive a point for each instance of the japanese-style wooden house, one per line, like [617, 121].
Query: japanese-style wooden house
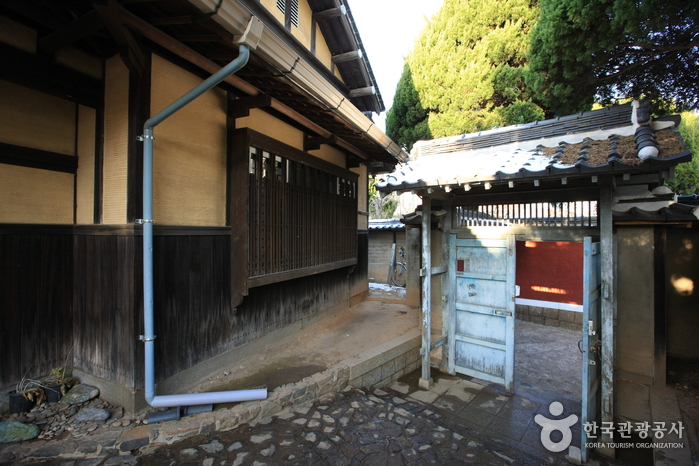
[259, 185]
[595, 181]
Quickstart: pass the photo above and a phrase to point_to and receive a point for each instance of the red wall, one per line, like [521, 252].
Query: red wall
[550, 271]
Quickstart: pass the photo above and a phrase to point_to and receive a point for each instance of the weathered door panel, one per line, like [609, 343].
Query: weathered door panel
[482, 317]
[591, 369]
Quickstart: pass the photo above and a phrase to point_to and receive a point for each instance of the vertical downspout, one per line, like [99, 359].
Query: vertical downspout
[249, 38]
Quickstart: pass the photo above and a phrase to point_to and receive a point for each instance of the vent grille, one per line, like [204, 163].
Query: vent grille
[533, 214]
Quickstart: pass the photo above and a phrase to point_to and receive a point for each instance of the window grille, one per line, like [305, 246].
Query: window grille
[299, 216]
[293, 15]
[534, 214]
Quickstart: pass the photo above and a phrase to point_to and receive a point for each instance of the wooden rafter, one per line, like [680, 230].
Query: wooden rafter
[110, 12]
[85, 26]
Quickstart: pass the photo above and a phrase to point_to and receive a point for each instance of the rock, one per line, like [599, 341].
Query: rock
[80, 394]
[92, 414]
[12, 431]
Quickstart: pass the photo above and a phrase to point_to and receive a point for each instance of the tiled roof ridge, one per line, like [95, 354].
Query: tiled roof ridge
[601, 119]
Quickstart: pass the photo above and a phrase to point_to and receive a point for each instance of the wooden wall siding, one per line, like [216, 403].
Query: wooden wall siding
[193, 317]
[108, 311]
[35, 303]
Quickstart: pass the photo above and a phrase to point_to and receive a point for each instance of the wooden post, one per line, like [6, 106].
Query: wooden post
[608, 308]
[391, 264]
[412, 257]
[426, 381]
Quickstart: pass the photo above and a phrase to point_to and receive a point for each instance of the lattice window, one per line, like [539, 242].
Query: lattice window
[299, 216]
[533, 214]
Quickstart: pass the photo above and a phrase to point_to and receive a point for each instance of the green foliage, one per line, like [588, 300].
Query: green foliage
[687, 174]
[586, 50]
[466, 72]
[406, 121]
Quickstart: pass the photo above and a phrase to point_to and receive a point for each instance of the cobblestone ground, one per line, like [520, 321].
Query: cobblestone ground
[348, 428]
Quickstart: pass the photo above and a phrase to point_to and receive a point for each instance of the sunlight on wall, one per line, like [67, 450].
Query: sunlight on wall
[546, 289]
[683, 285]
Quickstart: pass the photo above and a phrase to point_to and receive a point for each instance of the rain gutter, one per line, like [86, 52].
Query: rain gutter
[233, 16]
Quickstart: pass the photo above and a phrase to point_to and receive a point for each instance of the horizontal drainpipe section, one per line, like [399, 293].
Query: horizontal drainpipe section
[147, 221]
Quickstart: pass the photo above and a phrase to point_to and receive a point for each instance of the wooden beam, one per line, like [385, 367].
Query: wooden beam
[11, 154]
[362, 91]
[199, 38]
[46, 76]
[348, 56]
[85, 26]
[172, 20]
[330, 13]
[241, 107]
[130, 51]
[315, 143]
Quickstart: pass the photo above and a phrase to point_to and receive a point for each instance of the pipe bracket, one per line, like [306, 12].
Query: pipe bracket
[141, 221]
[143, 137]
[144, 339]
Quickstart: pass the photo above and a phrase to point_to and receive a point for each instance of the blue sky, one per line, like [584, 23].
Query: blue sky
[388, 29]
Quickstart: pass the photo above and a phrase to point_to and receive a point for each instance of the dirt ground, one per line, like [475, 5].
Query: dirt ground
[548, 357]
[328, 341]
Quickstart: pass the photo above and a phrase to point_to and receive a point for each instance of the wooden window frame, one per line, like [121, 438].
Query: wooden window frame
[298, 220]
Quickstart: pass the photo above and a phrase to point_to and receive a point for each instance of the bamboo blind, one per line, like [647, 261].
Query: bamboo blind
[85, 183]
[189, 153]
[116, 130]
[29, 118]
[17, 35]
[30, 195]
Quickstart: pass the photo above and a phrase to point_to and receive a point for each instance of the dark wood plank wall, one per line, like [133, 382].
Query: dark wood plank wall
[106, 293]
[35, 300]
[85, 287]
[193, 317]
[358, 279]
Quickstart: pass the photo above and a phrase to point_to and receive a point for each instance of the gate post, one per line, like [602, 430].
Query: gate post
[426, 381]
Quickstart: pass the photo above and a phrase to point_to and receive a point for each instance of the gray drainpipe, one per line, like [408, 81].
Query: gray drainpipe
[248, 40]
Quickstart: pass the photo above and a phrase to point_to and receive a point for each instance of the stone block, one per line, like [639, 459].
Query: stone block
[538, 320]
[566, 316]
[536, 311]
[578, 318]
[550, 313]
[525, 318]
[552, 323]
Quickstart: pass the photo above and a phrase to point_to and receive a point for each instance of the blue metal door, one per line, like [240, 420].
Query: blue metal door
[591, 369]
[481, 340]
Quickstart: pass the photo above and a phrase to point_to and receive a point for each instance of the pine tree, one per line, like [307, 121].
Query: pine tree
[466, 72]
[603, 50]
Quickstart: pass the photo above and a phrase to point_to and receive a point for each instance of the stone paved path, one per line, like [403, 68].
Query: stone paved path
[350, 428]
